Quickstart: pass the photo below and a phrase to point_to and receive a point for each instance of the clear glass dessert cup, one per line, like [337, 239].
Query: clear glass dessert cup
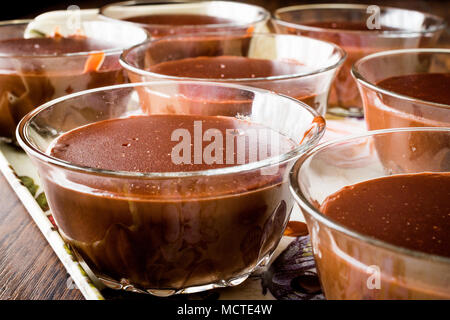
[319, 61]
[386, 109]
[242, 16]
[402, 29]
[347, 260]
[170, 232]
[27, 81]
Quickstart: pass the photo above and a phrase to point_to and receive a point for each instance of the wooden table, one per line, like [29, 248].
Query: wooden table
[28, 267]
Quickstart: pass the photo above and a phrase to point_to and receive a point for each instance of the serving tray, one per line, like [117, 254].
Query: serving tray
[291, 274]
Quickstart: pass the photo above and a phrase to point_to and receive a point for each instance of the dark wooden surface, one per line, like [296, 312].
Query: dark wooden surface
[29, 269]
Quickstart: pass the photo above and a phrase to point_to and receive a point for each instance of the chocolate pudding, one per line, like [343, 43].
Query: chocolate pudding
[227, 67]
[169, 233]
[160, 25]
[236, 67]
[431, 87]
[358, 41]
[144, 143]
[33, 72]
[411, 211]
[414, 151]
[344, 91]
[386, 111]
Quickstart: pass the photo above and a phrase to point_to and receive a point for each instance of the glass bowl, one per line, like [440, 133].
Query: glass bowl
[387, 109]
[26, 81]
[170, 232]
[189, 16]
[346, 259]
[400, 28]
[306, 66]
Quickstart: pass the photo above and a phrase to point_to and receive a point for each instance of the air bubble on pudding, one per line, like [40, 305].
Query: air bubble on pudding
[11, 97]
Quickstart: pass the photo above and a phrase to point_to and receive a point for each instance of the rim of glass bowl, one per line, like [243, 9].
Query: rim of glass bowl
[440, 22]
[127, 66]
[317, 215]
[28, 146]
[265, 15]
[107, 52]
[361, 79]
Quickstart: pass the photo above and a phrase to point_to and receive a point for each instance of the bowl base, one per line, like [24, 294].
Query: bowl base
[124, 284]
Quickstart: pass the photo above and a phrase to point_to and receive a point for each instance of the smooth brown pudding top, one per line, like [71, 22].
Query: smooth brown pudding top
[347, 25]
[227, 67]
[53, 46]
[410, 210]
[144, 143]
[432, 87]
[178, 19]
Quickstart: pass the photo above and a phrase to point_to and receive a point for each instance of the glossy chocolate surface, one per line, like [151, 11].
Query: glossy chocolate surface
[410, 211]
[227, 67]
[432, 87]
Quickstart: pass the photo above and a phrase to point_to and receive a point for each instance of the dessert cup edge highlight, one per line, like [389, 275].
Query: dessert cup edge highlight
[179, 232]
[440, 27]
[346, 259]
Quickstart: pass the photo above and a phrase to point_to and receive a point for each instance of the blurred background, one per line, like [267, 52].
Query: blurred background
[29, 9]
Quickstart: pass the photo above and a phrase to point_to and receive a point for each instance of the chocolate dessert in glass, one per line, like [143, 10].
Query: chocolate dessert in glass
[34, 70]
[407, 88]
[299, 67]
[379, 221]
[181, 17]
[360, 30]
[171, 199]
